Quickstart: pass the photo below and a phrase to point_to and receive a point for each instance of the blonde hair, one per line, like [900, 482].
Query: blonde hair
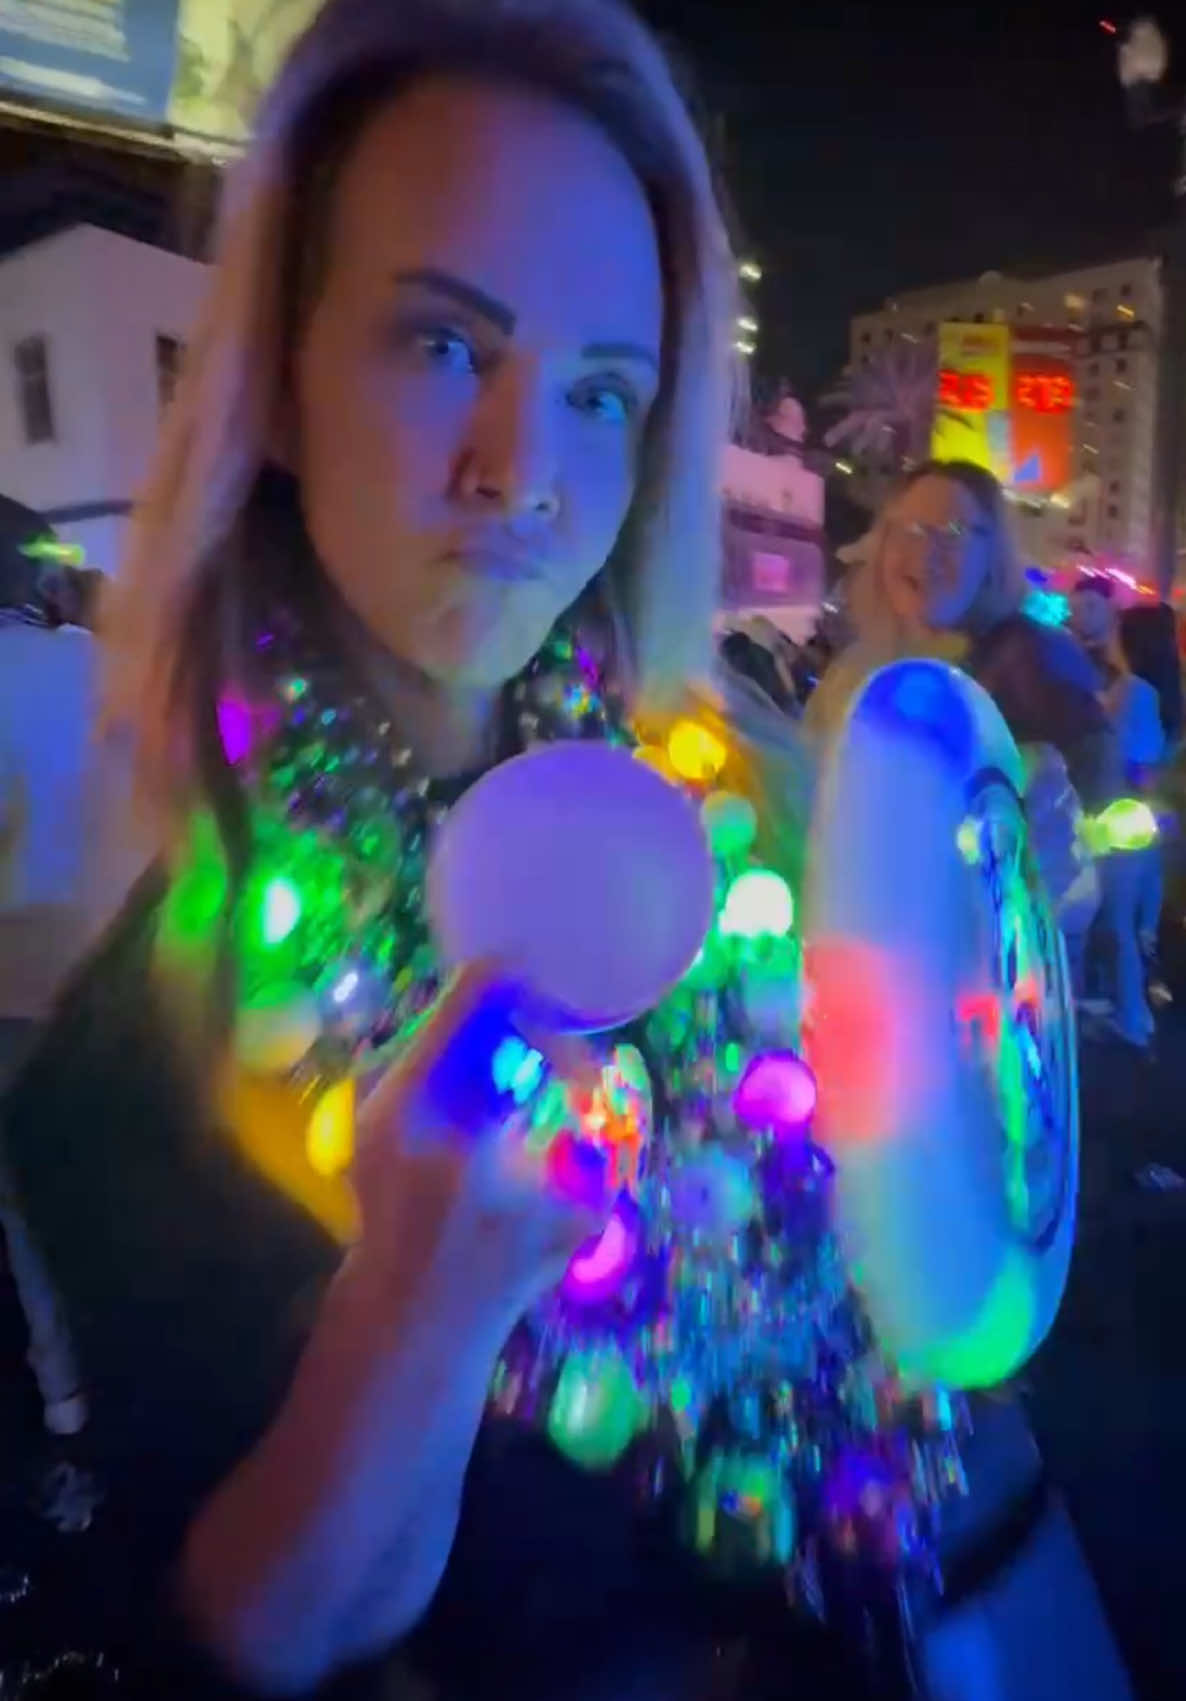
[193, 555]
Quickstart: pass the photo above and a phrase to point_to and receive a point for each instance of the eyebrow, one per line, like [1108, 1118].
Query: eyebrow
[637, 352]
[498, 314]
[466, 295]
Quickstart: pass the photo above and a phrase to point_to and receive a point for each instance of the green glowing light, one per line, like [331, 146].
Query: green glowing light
[281, 910]
[996, 1343]
[596, 1410]
[967, 840]
[1126, 825]
[1048, 608]
[758, 903]
[517, 1068]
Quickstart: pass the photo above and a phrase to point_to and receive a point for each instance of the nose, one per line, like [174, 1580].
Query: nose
[509, 462]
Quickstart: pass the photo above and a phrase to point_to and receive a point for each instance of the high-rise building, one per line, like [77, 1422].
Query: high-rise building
[1115, 313]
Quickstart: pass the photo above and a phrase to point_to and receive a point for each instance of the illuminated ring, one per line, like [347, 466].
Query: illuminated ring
[941, 1030]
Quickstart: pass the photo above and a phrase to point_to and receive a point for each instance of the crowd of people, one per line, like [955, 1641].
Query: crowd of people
[439, 484]
[939, 575]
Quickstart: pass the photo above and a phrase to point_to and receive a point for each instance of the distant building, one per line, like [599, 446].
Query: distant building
[775, 551]
[92, 325]
[1115, 310]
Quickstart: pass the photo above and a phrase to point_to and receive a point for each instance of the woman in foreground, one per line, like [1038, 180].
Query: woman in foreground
[439, 482]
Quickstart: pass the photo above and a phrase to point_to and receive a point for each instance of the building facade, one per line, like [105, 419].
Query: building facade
[1115, 313]
[774, 548]
[92, 326]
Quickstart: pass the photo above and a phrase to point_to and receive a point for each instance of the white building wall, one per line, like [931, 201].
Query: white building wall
[100, 301]
[1112, 502]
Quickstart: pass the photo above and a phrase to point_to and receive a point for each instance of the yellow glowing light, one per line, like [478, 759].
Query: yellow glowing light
[329, 1138]
[967, 841]
[654, 756]
[845, 467]
[1125, 311]
[750, 271]
[694, 752]
[747, 324]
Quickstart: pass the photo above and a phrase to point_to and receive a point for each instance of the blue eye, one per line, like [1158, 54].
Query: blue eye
[447, 349]
[602, 401]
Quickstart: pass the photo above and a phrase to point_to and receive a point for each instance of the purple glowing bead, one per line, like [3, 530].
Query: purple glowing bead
[777, 1092]
[235, 728]
[858, 1485]
[599, 1269]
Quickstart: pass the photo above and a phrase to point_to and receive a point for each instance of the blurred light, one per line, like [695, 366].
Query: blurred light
[1108, 27]
[744, 347]
[748, 325]
[281, 910]
[1125, 311]
[750, 271]
[845, 467]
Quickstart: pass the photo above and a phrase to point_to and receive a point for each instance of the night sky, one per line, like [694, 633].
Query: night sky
[872, 148]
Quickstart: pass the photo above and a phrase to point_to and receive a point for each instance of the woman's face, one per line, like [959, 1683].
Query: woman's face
[934, 553]
[473, 384]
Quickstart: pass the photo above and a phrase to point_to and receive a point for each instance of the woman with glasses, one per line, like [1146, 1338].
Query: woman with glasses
[942, 578]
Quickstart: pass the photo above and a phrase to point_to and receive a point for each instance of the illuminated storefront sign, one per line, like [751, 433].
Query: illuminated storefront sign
[196, 67]
[1005, 400]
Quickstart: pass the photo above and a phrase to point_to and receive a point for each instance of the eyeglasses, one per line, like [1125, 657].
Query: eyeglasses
[943, 540]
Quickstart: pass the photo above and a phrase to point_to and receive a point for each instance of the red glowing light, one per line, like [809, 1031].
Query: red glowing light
[966, 392]
[1108, 27]
[1044, 392]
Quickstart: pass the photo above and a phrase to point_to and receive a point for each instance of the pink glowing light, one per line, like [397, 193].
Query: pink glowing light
[778, 1092]
[602, 1265]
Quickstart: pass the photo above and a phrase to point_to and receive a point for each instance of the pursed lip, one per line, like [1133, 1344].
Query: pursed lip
[494, 561]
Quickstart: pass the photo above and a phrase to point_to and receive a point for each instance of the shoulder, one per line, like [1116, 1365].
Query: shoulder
[1020, 641]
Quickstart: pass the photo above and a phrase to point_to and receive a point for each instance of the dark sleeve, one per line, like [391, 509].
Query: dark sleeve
[187, 1283]
[1044, 686]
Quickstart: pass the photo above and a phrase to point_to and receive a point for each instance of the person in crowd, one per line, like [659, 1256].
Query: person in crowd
[1131, 907]
[1150, 640]
[1150, 643]
[940, 576]
[459, 392]
[68, 857]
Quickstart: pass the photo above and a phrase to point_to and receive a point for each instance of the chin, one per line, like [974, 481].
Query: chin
[478, 655]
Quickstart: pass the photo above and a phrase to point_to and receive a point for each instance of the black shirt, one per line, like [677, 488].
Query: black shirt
[190, 1286]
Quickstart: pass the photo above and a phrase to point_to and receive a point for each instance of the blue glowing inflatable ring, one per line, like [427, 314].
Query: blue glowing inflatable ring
[942, 1027]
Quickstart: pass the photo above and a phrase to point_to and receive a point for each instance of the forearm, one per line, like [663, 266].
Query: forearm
[313, 1551]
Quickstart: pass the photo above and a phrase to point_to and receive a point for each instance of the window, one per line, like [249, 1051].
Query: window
[1113, 511]
[866, 338]
[1121, 364]
[1126, 289]
[1114, 487]
[1119, 415]
[1093, 371]
[169, 351]
[1097, 295]
[978, 318]
[1092, 393]
[31, 360]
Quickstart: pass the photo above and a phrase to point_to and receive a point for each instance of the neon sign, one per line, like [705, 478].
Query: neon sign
[1044, 392]
[966, 392]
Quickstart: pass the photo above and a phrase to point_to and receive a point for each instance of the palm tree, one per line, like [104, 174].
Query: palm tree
[889, 406]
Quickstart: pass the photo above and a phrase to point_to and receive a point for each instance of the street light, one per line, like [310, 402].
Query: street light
[1142, 60]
